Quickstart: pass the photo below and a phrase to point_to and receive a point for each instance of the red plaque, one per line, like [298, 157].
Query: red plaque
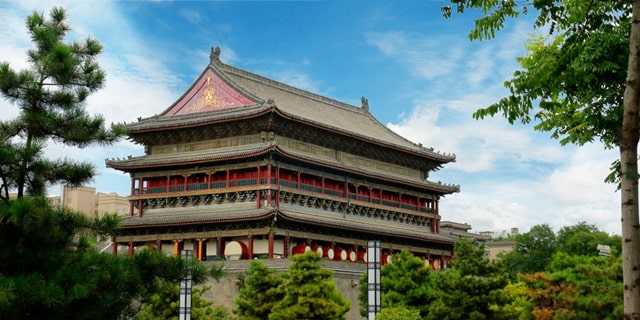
[209, 93]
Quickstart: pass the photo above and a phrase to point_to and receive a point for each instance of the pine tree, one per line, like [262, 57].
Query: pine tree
[472, 289]
[49, 265]
[51, 95]
[404, 283]
[164, 304]
[51, 269]
[260, 291]
[310, 292]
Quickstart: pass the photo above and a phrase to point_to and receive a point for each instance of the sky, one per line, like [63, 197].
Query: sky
[422, 76]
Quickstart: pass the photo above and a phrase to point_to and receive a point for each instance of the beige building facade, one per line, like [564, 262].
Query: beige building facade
[82, 199]
[91, 203]
[111, 203]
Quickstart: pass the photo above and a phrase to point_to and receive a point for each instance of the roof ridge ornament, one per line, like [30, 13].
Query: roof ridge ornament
[214, 56]
[365, 103]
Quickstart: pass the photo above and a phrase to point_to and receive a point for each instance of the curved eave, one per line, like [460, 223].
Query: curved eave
[437, 187]
[186, 158]
[197, 119]
[345, 224]
[178, 122]
[152, 221]
[417, 151]
[395, 141]
[233, 153]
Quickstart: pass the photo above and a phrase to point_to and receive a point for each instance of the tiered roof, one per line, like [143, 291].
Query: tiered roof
[225, 94]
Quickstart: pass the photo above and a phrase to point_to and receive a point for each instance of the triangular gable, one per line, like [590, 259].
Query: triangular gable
[209, 93]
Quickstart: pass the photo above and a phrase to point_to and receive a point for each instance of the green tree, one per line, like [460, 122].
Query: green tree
[532, 252]
[260, 291]
[50, 269]
[406, 282]
[51, 95]
[521, 303]
[398, 313]
[473, 289]
[583, 239]
[164, 304]
[581, 83]
[577, 287]
[309, 292]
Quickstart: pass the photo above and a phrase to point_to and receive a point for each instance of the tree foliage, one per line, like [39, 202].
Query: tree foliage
[49, 265]
[581, 83]
[260, 291]
[164, 304]
[398, 313]
[577, 287]
[583, 239]
[532, 252]
[51, 95]
[472, 289]
[50, 268]
[406, 282]
[309, 292]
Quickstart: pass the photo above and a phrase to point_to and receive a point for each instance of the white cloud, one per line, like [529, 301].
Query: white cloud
[424, 57]
[192, 16]
[138, 84]
[298, 79]
[510, 176]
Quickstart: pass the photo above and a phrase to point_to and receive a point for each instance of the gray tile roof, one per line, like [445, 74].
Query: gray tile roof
[289, 102]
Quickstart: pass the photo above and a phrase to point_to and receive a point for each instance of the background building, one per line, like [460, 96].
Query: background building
[111, 203]
[81, 199]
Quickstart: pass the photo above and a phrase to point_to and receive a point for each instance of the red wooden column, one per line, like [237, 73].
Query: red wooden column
[258, 192]
[346, 187]
[159, 245]
[250, 247]
[277, 185]
[133, 188]
[436, 212]
[131, 248]
[114, 248]
[285, 241]
[220, 247]
[269, 183]
[259, 176]
[140, 207]
[177, 244]
[270, 250]
[200, 254]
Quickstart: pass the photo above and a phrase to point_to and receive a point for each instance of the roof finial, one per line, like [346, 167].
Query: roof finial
[214, 56]
[365, 103]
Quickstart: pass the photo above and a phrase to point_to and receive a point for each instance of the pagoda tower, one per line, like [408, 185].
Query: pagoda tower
[245, 167]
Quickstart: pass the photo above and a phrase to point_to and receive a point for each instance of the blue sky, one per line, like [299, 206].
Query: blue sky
[422, 76]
